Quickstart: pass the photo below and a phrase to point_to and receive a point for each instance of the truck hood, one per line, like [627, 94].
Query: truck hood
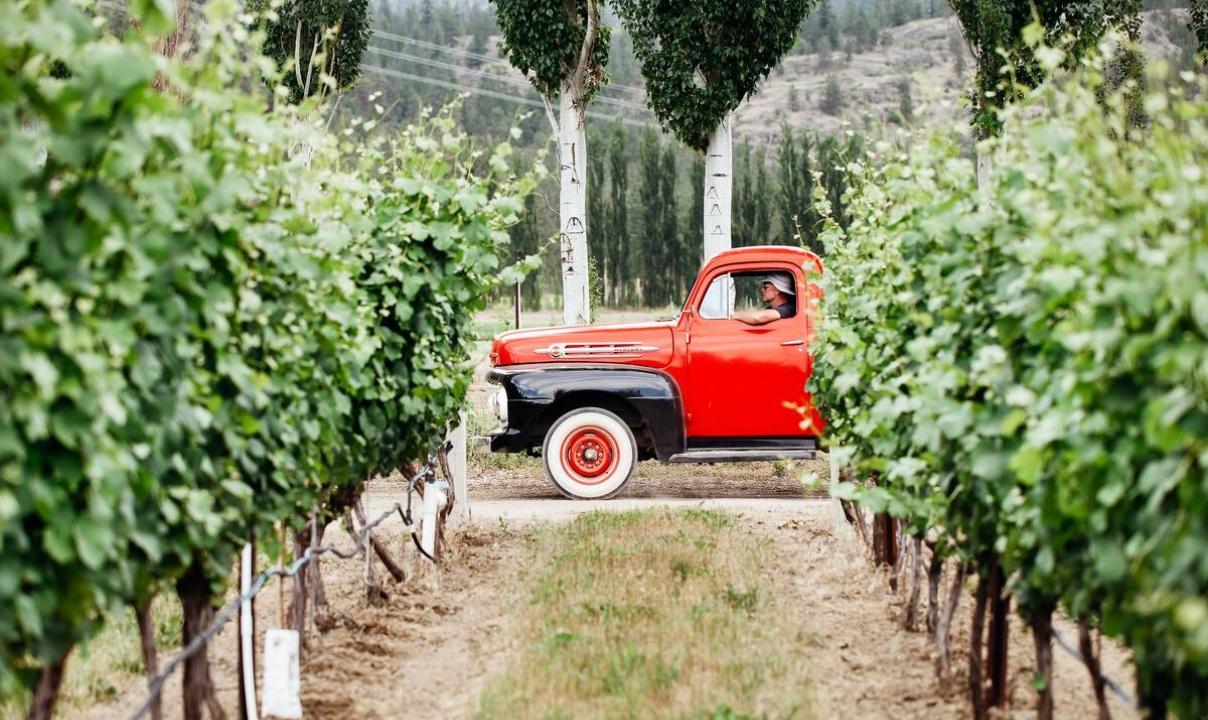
[645, 344]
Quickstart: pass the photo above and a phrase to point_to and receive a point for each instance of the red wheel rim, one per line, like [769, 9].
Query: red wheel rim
[590, 454]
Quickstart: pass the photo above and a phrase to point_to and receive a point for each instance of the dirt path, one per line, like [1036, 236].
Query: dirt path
[429, 648]
[869, 666]
[426, 651]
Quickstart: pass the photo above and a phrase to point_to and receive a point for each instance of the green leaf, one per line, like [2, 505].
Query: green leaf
[28, 615]
[93, 542]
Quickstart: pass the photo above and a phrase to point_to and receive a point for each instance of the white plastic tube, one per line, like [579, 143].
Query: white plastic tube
[435, 499]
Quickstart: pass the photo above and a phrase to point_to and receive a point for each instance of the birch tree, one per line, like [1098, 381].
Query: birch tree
[563, 48]
[700, 60]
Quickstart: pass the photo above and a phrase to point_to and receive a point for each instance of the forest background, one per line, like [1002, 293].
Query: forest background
[861, 72]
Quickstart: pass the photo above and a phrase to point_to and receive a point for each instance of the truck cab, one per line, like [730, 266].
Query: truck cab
[704, 387]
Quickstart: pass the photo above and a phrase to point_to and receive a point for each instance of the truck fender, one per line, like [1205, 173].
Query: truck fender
[538, 394]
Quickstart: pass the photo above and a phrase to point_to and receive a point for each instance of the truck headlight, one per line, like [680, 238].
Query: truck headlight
[499, 405]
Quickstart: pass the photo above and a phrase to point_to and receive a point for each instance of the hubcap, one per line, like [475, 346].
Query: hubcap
[590, 453]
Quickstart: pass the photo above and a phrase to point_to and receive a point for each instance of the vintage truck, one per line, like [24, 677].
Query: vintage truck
[704, 387]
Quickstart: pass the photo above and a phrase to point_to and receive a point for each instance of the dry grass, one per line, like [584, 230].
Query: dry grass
[652, 614]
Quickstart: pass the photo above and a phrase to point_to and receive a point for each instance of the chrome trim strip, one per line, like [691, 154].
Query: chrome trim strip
[603, 349]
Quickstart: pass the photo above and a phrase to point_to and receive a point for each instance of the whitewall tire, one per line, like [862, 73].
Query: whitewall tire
[589, 454]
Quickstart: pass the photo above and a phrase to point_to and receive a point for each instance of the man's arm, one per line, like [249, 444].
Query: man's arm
[757, 317]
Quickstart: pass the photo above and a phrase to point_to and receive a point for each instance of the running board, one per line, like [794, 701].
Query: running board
[740, 455]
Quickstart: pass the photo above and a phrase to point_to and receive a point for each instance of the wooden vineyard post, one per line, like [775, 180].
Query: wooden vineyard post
[457, 465]
[1000, 616]
[884, 539]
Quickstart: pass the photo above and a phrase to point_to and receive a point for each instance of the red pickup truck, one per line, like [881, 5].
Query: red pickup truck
[705, 387]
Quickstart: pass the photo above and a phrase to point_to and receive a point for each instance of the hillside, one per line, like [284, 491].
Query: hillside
[923, 52]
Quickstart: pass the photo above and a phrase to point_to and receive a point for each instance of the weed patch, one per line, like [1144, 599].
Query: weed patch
[651, 614]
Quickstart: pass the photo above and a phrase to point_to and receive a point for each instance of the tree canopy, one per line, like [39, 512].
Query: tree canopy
[992, 27]
[701, 59]
[316, 36]
[1199, 23]
[544, 41]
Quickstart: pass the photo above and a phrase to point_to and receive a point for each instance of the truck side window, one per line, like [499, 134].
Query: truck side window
[719, 299]
[733, 292]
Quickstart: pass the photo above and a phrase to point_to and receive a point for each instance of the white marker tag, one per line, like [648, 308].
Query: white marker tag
[282, 683]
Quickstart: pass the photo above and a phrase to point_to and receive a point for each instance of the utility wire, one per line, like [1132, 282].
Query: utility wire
[490, 93]
[454, 86]
[513, 80]
[484, 58]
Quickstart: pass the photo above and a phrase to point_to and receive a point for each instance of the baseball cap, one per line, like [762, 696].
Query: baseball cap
[781, 281]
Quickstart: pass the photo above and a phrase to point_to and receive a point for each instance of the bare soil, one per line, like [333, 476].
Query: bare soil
[427, 650]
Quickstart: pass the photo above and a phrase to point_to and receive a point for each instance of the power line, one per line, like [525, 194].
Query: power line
[484, 58]
[507, 97]
[489, 93]
[512, 80]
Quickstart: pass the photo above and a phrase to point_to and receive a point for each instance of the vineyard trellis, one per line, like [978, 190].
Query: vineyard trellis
[362, 544]
[1016, 374]
[216, 317]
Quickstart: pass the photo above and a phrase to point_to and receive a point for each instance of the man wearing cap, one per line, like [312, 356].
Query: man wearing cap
[776, 290]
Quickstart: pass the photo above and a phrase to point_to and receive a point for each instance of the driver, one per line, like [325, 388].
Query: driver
[776, 290]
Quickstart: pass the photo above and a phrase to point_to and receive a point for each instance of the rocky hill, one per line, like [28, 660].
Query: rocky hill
[928, 56]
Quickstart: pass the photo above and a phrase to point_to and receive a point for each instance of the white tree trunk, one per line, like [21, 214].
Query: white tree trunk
[984, 168]
[719, 189]
[572, 195]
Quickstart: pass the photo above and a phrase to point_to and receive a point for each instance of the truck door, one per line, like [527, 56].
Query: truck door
[746, 380]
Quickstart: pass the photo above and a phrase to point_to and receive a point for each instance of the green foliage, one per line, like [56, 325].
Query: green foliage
[1024, 369]
[318, 42]
[798, 219]
[753, 199]
[544, 40]
[832, 97]
[201, 330]
[1199, 25]
[1004, 52]
[616, 238]
[700, 60]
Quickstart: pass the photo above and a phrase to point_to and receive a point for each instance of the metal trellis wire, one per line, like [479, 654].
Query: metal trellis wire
[228, 611]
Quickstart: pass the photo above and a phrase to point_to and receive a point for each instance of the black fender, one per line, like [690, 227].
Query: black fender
[540, 393]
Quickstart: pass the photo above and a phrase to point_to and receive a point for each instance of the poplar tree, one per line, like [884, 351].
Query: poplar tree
[596, 208]
[1199, 26]
[693, 227]
[743, 196]
[526, 240]
[796, 178]
[833, 175]
[699, 61]
[649, 217]
[319, 43]
[761, 215]
[563, 49]
[668, 281]
[992, 28]
[621, 268]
